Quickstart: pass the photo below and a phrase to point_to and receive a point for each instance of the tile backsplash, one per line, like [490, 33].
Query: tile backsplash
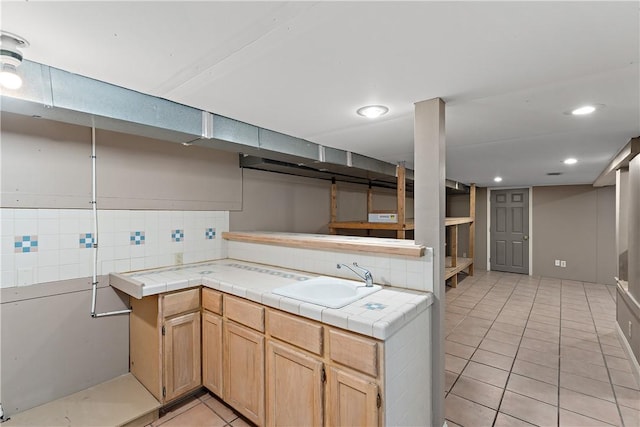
[44, 245]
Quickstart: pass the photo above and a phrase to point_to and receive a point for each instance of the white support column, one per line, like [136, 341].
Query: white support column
[429, 202]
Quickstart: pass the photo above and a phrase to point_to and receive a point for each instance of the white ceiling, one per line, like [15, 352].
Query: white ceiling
[508, 72]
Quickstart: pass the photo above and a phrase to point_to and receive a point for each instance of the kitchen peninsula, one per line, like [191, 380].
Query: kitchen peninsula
[278, 360]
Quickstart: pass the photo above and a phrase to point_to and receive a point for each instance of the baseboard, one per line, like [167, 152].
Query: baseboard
[635, 366]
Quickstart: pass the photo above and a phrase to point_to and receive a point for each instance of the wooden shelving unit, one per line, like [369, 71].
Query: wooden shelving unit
[453, 263]
[400, 227]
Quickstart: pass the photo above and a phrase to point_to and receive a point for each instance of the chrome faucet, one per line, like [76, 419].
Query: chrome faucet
[367, 277]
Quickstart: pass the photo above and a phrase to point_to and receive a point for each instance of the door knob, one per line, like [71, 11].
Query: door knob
[525, 237]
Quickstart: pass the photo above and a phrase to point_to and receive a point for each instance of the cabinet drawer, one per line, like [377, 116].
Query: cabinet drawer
[295, 331]
[353, 351]
[212, 300]
[180, 302]
[244, 312]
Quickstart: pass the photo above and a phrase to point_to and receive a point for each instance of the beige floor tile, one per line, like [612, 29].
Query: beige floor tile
[452, 424]
[487, 374]
[539, 345]
[239, 422]
[467, 413]
[630, 416]
[537, 372]
[449, 379]
[482, 314]
[504, 337]
[465, 339]
[529, 410]
[582, 355]
[225, 412]
[595, 388]
[551, 337]
[508, 328]
[504, 420]
[588, 406]
[459, 350]
[478, 392]
[457, 310]
[544, 323]
[454, 364]
[474, 330]
[628, 397]
[624, 379]
[176, 410]
[533, 388]
[538, 357]
[621, 364]
[499, 347]
[571, 419]
[580, 343]
[574, 333]
[578, 367]
[199, 415]
[493, 359]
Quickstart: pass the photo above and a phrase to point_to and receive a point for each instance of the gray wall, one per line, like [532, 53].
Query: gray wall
[574, 223]
[47, 164]
[51, 347]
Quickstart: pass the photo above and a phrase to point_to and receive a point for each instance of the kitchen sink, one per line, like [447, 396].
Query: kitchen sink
[329, 292]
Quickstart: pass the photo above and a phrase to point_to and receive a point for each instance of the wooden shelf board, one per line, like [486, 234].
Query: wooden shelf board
[335, 242]
[458, 220]
[462, 264]
[364, 225]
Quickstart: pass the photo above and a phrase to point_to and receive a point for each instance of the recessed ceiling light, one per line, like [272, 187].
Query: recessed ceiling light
[584, 110]
[373, 111]
[570, 161]
[497, 179]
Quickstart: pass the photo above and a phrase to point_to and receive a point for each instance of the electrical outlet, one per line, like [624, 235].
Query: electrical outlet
[630, 329]
[178, 259]
[563, 263]
[557, 263]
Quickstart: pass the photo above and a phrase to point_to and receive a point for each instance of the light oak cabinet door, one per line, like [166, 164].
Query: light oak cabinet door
[294, 390]
[244, 371]
[353, 399]
[181, 345]
[212, 352]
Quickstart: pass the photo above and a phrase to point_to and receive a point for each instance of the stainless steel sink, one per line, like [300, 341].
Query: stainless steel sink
[329, 292]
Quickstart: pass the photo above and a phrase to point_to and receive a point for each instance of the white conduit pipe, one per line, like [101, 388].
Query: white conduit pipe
[94, 205]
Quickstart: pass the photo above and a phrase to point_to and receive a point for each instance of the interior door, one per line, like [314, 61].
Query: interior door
[510, 230]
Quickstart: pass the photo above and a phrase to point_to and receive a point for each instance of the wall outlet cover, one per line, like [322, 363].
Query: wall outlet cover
[557, 263]
[563, 264]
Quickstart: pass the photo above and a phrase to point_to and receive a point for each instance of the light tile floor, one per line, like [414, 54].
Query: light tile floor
[524, 351]
[202, 410]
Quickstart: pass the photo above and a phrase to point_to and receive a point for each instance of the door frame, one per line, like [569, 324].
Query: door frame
[531, 237]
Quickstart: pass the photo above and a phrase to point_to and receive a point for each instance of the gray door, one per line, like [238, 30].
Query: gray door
[510, 230]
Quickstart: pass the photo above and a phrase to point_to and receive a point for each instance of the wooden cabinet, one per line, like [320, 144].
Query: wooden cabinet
[244, 371]
[181, 359]
[164, 343]
[353, 400]
[212, 352]
[295, 387]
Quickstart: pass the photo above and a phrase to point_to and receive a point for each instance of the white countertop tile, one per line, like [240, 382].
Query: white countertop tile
[379, 315]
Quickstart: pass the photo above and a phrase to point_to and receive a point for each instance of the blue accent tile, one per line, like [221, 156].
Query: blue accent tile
[86, 240]
[177, 235]
[210, 233]
[25, 244]
[137, 238]
[374, 306]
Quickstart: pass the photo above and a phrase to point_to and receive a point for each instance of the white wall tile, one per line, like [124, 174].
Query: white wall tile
[7, 278]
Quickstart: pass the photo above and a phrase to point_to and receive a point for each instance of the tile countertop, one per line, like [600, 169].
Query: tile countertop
[378, 315]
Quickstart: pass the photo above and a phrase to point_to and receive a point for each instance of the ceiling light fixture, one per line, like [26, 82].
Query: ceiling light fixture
[373, 111]
[584, 110]
[10, 59]
[570, 161]
[497, 179]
